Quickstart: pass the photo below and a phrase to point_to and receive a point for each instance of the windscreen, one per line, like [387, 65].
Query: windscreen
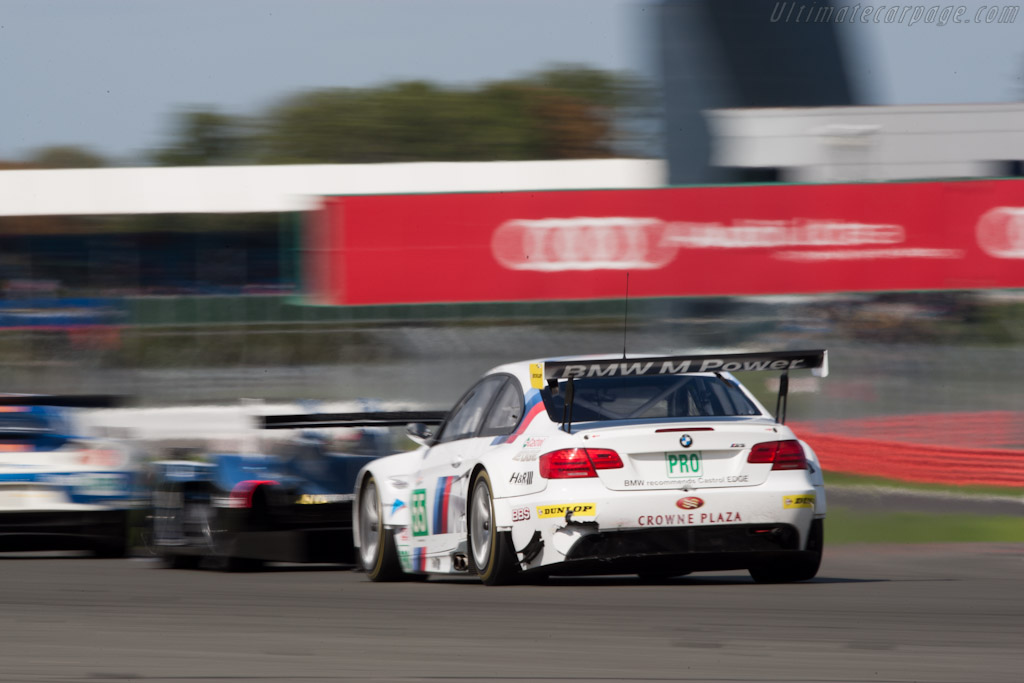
[631, 398]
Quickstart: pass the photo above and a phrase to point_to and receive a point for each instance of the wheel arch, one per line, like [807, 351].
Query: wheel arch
[361, 479]
[502, 509]
[817, 479]
[390, 474]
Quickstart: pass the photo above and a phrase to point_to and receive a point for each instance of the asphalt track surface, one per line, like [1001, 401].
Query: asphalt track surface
[875, 613]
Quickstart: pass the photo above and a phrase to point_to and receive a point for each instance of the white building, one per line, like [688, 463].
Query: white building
[850, 144]
[282, 189]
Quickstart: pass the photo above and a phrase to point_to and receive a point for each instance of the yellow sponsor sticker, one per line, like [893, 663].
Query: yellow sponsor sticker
[801, 501]
[311, 499]
[537, 375]
[577, 510]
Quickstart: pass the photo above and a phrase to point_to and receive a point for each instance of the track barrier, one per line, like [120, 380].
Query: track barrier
[962, 449]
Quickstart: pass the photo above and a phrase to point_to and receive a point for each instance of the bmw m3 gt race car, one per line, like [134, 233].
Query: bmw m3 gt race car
[60, 490]
[658, 466]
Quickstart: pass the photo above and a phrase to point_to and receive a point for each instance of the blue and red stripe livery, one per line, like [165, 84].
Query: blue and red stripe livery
[534, 407]
[442, 501]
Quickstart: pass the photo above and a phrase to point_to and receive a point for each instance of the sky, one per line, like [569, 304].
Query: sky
[929, 63]
[109, 74]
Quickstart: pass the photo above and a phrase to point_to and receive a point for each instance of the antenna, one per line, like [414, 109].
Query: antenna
[625, 318]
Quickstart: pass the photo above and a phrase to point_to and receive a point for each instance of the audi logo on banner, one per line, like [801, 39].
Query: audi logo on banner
[626, 243]
[1000, 232]
[555, 244]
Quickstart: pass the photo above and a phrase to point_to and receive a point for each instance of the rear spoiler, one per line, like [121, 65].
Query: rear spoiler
[778, 361]
[372, 419]
[63, 401]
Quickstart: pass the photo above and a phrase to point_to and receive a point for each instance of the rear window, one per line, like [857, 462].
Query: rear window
[631, 398]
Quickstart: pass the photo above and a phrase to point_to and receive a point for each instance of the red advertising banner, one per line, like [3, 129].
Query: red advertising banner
[698, 241]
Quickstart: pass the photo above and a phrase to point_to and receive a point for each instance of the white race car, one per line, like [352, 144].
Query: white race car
[655, 465]
[60, 490]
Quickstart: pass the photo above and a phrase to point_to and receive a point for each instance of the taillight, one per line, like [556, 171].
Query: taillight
[604, 458]
[241, 494]
[783, 455]
[571, 463]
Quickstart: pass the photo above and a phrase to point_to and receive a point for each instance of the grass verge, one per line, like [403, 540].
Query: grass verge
[845, 525]
[842, 479]
[853, 526]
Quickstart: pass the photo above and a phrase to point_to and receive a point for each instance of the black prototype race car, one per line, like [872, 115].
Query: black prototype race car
[237, 511]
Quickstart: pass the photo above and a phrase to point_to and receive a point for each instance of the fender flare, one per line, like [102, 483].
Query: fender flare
[817, 478]
[392, 475]
[502, 504]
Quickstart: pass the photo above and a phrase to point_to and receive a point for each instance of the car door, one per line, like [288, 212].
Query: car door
[438, 503]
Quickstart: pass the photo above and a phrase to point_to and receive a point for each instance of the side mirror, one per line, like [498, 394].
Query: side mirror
[420, 433]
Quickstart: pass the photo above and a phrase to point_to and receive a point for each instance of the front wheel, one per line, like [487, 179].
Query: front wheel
[803, 569]
[491, 551]
[377, 553]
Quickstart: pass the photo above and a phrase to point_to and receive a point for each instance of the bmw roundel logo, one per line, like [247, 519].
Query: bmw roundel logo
[686, 441]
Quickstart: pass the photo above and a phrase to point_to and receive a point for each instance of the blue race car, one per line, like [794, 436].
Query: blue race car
[237, 511]
[59, 490]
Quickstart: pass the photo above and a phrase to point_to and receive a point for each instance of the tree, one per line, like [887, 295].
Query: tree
[66, 156]
[560, 113]
[565, 112]
[204, 137]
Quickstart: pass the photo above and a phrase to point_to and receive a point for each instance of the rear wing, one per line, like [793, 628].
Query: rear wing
[773, 361]
[370, 419]
[779, 361]
[63, 401]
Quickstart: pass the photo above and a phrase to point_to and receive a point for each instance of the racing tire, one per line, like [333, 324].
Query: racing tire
[803, 568]
[491, 553]
[378, 555]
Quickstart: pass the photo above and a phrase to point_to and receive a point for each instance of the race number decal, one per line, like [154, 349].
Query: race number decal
[418, 511]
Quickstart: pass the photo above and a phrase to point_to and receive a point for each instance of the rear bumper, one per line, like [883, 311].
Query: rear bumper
[750, 538]
[61, 529]
[696, 530]
[682, 549]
